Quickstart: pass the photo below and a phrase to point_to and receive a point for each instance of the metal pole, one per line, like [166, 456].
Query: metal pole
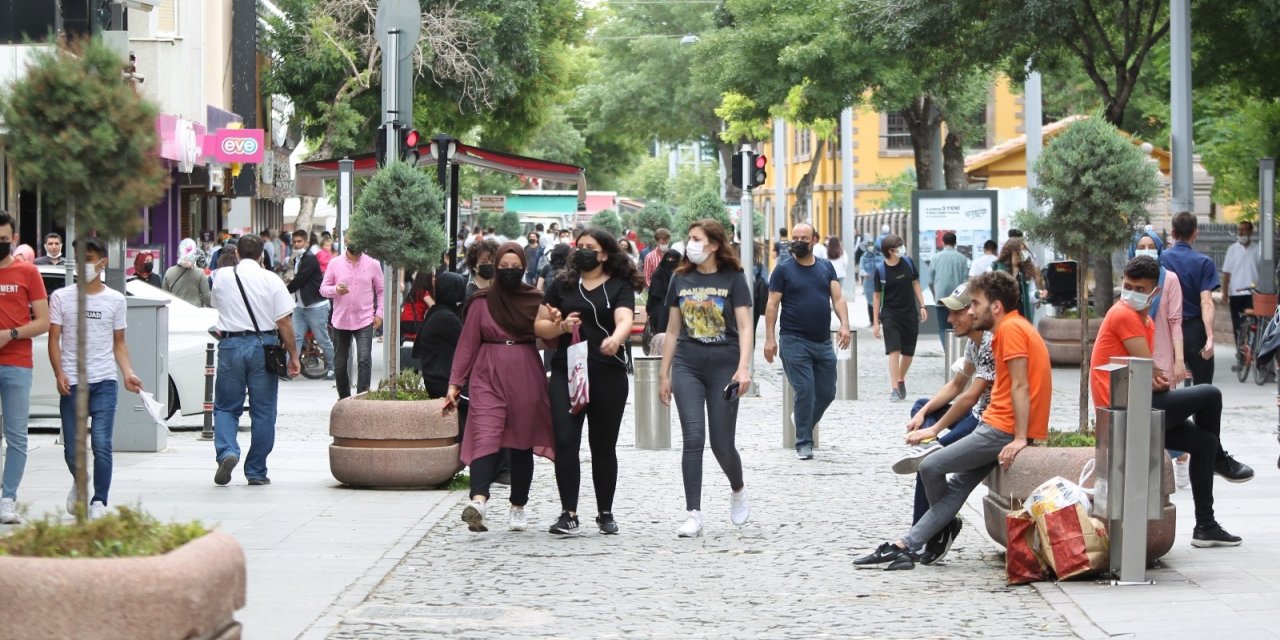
[206, 433]
[746, 248]
[847, 192]
[1033, 119]
[779, 179]
[346, 180]
[653, 419]
[846, 369]
[454, 177]
[1131, 463]
[1180, 104]
[789, 408]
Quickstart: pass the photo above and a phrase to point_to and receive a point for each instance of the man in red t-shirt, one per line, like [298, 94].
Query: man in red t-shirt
[1018, 413]
[1192, 415]
[24, 314]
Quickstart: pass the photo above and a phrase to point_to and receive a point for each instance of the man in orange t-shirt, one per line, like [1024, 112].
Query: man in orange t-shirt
[1192, 415]
[24, 314]
[1018, 413]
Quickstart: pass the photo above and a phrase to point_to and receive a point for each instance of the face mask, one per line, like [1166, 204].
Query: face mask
[510, 279]
[1136, 301]
[146, 266]
[1243, 239]
[485, 271]
[5, 248]
[1150, 253]
[585, 260]
[696, 252]
[55, 256]
[801, 249]
[89, 272]
[893, 253]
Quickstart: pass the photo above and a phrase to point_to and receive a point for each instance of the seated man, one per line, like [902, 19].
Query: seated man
[958, 405]
[1017, 414]
[1192, 415]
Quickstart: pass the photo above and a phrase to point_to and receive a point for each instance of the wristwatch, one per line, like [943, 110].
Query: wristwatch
[13, 333]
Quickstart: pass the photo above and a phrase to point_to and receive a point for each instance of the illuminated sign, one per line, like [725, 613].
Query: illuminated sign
[235, 145]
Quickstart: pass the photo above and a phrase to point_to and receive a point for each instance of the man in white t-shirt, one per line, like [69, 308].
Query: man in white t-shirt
[1239, 272]
[982, 263]
[104, 349]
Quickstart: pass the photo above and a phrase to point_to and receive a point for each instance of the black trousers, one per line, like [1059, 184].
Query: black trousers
[485, 469]
[1193, 341]
[1192, 423]
[604, 415]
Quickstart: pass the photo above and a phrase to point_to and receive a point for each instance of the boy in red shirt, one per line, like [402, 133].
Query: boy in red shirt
[1192, 415]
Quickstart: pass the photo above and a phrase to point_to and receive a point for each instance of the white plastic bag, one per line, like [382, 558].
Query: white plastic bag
[579, 385]
[153, 407]
[1057, 493]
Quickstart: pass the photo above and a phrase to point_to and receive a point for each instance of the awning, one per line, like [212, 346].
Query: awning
[311, 175]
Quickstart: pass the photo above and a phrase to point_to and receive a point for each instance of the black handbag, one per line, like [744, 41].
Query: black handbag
[274, 355]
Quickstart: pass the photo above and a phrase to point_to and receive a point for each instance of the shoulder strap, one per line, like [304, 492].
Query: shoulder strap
[244, 297]
[1154, 311]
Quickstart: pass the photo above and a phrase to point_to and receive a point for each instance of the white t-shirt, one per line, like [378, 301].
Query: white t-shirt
[820, 251]
[1242, 263]
[265, 290]
[981, 264]
[106, 315]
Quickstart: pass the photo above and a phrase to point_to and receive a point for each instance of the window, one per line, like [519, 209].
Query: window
[802, 140]
[896, 134]
[164, 19]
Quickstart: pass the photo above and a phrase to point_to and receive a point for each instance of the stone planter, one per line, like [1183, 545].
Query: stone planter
[190, 592]
[392, 444]
[1062, 337]
[1009, 489]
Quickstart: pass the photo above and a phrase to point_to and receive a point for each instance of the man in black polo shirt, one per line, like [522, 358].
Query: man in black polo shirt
[1199, 278]
[807, 290]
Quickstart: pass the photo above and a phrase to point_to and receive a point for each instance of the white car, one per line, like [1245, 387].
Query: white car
[188, 335]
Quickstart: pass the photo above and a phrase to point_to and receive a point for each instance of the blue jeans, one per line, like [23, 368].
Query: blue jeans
[102, 422]
[960, 429]
[241, 366]
[15, 401]
[811, 369]
[315, 320]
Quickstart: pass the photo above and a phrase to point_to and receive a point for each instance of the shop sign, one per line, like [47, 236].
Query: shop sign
[235, 145]
[216, 179]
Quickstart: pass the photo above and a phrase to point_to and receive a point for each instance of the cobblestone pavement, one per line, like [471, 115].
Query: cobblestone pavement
[787, 573]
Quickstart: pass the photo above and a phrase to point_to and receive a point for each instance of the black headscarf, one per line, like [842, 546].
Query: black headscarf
[451, 290]
[658, 285]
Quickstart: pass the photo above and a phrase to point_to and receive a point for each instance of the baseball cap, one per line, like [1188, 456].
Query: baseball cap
[958, 299]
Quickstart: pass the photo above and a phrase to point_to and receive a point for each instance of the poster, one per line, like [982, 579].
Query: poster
[971, 215]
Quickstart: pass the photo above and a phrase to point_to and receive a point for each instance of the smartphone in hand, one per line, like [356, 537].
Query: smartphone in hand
[731, 391]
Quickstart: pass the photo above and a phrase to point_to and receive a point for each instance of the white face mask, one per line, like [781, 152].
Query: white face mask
[1150, 253]
[1136, 301]
[1243, 239]
[696, 252]
[89, 271]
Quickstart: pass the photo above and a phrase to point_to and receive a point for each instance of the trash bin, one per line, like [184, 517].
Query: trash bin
[653, 419]
[134, 428]
[788, 408]
[846, 368]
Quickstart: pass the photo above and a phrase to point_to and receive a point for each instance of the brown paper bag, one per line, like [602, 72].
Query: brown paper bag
[1072, 543]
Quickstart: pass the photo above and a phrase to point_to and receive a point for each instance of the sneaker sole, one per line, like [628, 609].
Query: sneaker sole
[910, 462]
[686, 535]
[518, 527]
[225, 467]
[1206, 544]
[1234, 480]
[568, 534]
[951, 538]
[474, 519]
[878, 565]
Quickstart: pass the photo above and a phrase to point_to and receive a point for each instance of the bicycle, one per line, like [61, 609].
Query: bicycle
[1249, 339]
[312, 356]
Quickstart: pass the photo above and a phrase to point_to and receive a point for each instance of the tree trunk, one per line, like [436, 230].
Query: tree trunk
[1103, 284]
[1082, 293]
[923, 123]
[80, 437]
[953, 162]
[804, 188]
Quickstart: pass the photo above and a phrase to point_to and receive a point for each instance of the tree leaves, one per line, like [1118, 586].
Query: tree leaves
[398, 216]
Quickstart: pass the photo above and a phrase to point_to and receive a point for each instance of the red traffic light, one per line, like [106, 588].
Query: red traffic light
[761, 162]
[411, 139]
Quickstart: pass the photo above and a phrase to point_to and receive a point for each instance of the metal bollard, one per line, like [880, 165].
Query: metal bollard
[1130, 455]
[846, 369]
[206, 433]
[653, 419]
[953, 353]
[788, 408]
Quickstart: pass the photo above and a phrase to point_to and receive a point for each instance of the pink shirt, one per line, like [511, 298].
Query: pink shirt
[357, 308]
[1168, 323]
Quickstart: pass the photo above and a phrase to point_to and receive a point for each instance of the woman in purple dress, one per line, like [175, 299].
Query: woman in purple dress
[509, 409]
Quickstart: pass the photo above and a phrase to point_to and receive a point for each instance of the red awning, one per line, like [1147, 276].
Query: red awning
[311, 175]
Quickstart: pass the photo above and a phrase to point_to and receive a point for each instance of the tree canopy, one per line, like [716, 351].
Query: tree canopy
[397, 218]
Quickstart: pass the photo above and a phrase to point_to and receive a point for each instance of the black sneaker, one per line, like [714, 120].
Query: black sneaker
[258, 482]
[608, 526]
[1231, 469]
[936, 549]
[885, 553]
[567, 525]
[225, 466]
[1214, 536]
[902, 389]
[904, 562]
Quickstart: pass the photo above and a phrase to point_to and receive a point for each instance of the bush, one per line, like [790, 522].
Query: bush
[652, 217]
[608, 221]
[409, 386]
[122, 533]
[704, 204]
[1070, 439]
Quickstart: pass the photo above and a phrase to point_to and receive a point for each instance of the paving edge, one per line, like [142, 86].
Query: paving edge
[355, 594]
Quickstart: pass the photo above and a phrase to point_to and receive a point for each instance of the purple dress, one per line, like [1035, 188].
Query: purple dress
[509, 407]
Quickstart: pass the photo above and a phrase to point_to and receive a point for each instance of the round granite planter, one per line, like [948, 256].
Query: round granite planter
[191, 592]
[1062, 337]
[392, 444]
[1034, 465]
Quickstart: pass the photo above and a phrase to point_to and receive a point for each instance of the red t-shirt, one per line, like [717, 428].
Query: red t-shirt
[20, 285]
[1122, 323]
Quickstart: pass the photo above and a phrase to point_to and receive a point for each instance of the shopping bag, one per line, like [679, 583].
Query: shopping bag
[1072, 543]
[579, 386]
[1057, 493]
[1022, 565]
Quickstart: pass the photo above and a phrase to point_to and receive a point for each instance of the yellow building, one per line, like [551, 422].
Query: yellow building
[881, 152]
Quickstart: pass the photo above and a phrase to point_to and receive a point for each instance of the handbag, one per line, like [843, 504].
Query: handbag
[273, 354]
[579, 385]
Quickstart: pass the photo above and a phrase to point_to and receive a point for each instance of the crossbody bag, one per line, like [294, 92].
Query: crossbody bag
[273, 354]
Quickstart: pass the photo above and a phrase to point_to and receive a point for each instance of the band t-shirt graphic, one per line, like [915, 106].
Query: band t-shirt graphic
[706, 302]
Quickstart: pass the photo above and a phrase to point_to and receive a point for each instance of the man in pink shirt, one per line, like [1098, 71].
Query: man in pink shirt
[354, 283]
[662, 238]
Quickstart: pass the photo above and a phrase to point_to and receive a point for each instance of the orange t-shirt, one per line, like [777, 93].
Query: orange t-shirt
[20, 285]
[1016, 338]
[1122, 323]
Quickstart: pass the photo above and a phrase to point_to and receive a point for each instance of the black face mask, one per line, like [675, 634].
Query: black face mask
[585, 260]
[801, 249]
[485, 271]
[146, 267]
[510, 279]
[5, 248]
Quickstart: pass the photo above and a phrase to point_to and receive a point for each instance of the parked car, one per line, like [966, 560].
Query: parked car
[188, 335]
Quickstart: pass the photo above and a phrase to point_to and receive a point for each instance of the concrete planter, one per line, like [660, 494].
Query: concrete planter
[1062, 337]
[400, 444]
[191, 592]
[1009, 489]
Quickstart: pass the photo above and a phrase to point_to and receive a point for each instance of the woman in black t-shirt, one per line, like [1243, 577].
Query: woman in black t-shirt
[597, 294]
[898, 308]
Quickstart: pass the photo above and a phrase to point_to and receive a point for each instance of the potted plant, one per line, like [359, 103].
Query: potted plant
[1063, 334]
[84, 136]
[395, 437]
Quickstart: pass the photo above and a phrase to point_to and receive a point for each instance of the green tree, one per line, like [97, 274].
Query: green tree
[654, 216]
[699, 206]
[648, 181]
[397, 220]
[509, 225]
[608, 220]
[1095, 185]
[900, 188]
[1231, 141]
[105, 170]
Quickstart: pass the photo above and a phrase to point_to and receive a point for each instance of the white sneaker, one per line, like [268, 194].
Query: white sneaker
[97, 510]
[692, 528]
[9, 511]
[71, 501]
[739, 510]
[473, 515]
[518, 520]
[1182, 472]
[910, 461]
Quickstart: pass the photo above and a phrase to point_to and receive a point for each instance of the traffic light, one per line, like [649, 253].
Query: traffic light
[409, 145]
[758, 173]
[736, 172]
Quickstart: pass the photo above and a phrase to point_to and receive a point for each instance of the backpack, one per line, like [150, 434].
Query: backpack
[883, 270]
